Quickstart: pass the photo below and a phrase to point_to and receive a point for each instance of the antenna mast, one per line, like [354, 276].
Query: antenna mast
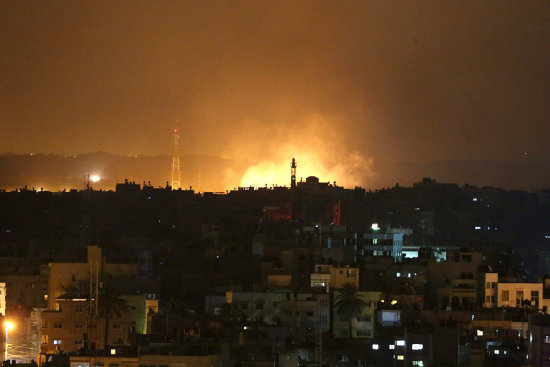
[176, 183]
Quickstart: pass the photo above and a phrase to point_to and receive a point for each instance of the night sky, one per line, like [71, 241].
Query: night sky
[341, 85]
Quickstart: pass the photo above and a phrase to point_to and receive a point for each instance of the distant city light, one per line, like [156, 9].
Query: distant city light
[95, 178]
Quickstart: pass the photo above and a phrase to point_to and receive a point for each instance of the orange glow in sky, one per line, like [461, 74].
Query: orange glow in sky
[276, 171]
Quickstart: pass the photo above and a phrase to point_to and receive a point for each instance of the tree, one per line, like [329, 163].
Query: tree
[110, 303]
[349, 304]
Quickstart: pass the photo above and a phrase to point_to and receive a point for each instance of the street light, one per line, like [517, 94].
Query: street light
[8, 326]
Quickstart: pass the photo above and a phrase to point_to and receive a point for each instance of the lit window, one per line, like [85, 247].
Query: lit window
[417, 346]
[113, 352]
[477, 228]
[398, 274]
[418, 363]
[57, 341]
[375, 347]
[400, 357]
[479, 332]
[400, 343]
[391, 346]
[547, 339]
[497, 351]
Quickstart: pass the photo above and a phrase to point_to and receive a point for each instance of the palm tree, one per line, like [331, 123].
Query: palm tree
[110, 303]
[349, 304]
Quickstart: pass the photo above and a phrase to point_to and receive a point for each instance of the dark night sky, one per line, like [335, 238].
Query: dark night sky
[354, 81]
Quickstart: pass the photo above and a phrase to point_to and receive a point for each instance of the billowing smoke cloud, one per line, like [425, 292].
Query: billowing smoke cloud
[316, 142]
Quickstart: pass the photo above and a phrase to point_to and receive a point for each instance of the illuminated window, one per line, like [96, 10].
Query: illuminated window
[497, 351]
[479, 332]
[57, 341]
[375, 347]
[391, 346]
[417, 346]
[418, 363]
[400, 357]
[400, 343]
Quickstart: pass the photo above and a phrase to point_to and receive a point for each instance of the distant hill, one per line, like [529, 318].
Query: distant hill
[53, 172]
[212, 173]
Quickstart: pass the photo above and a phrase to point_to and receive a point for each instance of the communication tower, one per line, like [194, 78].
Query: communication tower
[293, 173]
[176, 183]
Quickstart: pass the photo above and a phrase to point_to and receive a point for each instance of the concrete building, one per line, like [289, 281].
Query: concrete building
[118, 358]
[294, 310]
[72, 326]
[332, 277]
[383, 244]
[455, 280]
[500, 294]
[62, 276]
[539, 341]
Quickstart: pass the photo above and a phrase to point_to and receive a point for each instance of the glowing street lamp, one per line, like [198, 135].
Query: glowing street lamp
[8, 326]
